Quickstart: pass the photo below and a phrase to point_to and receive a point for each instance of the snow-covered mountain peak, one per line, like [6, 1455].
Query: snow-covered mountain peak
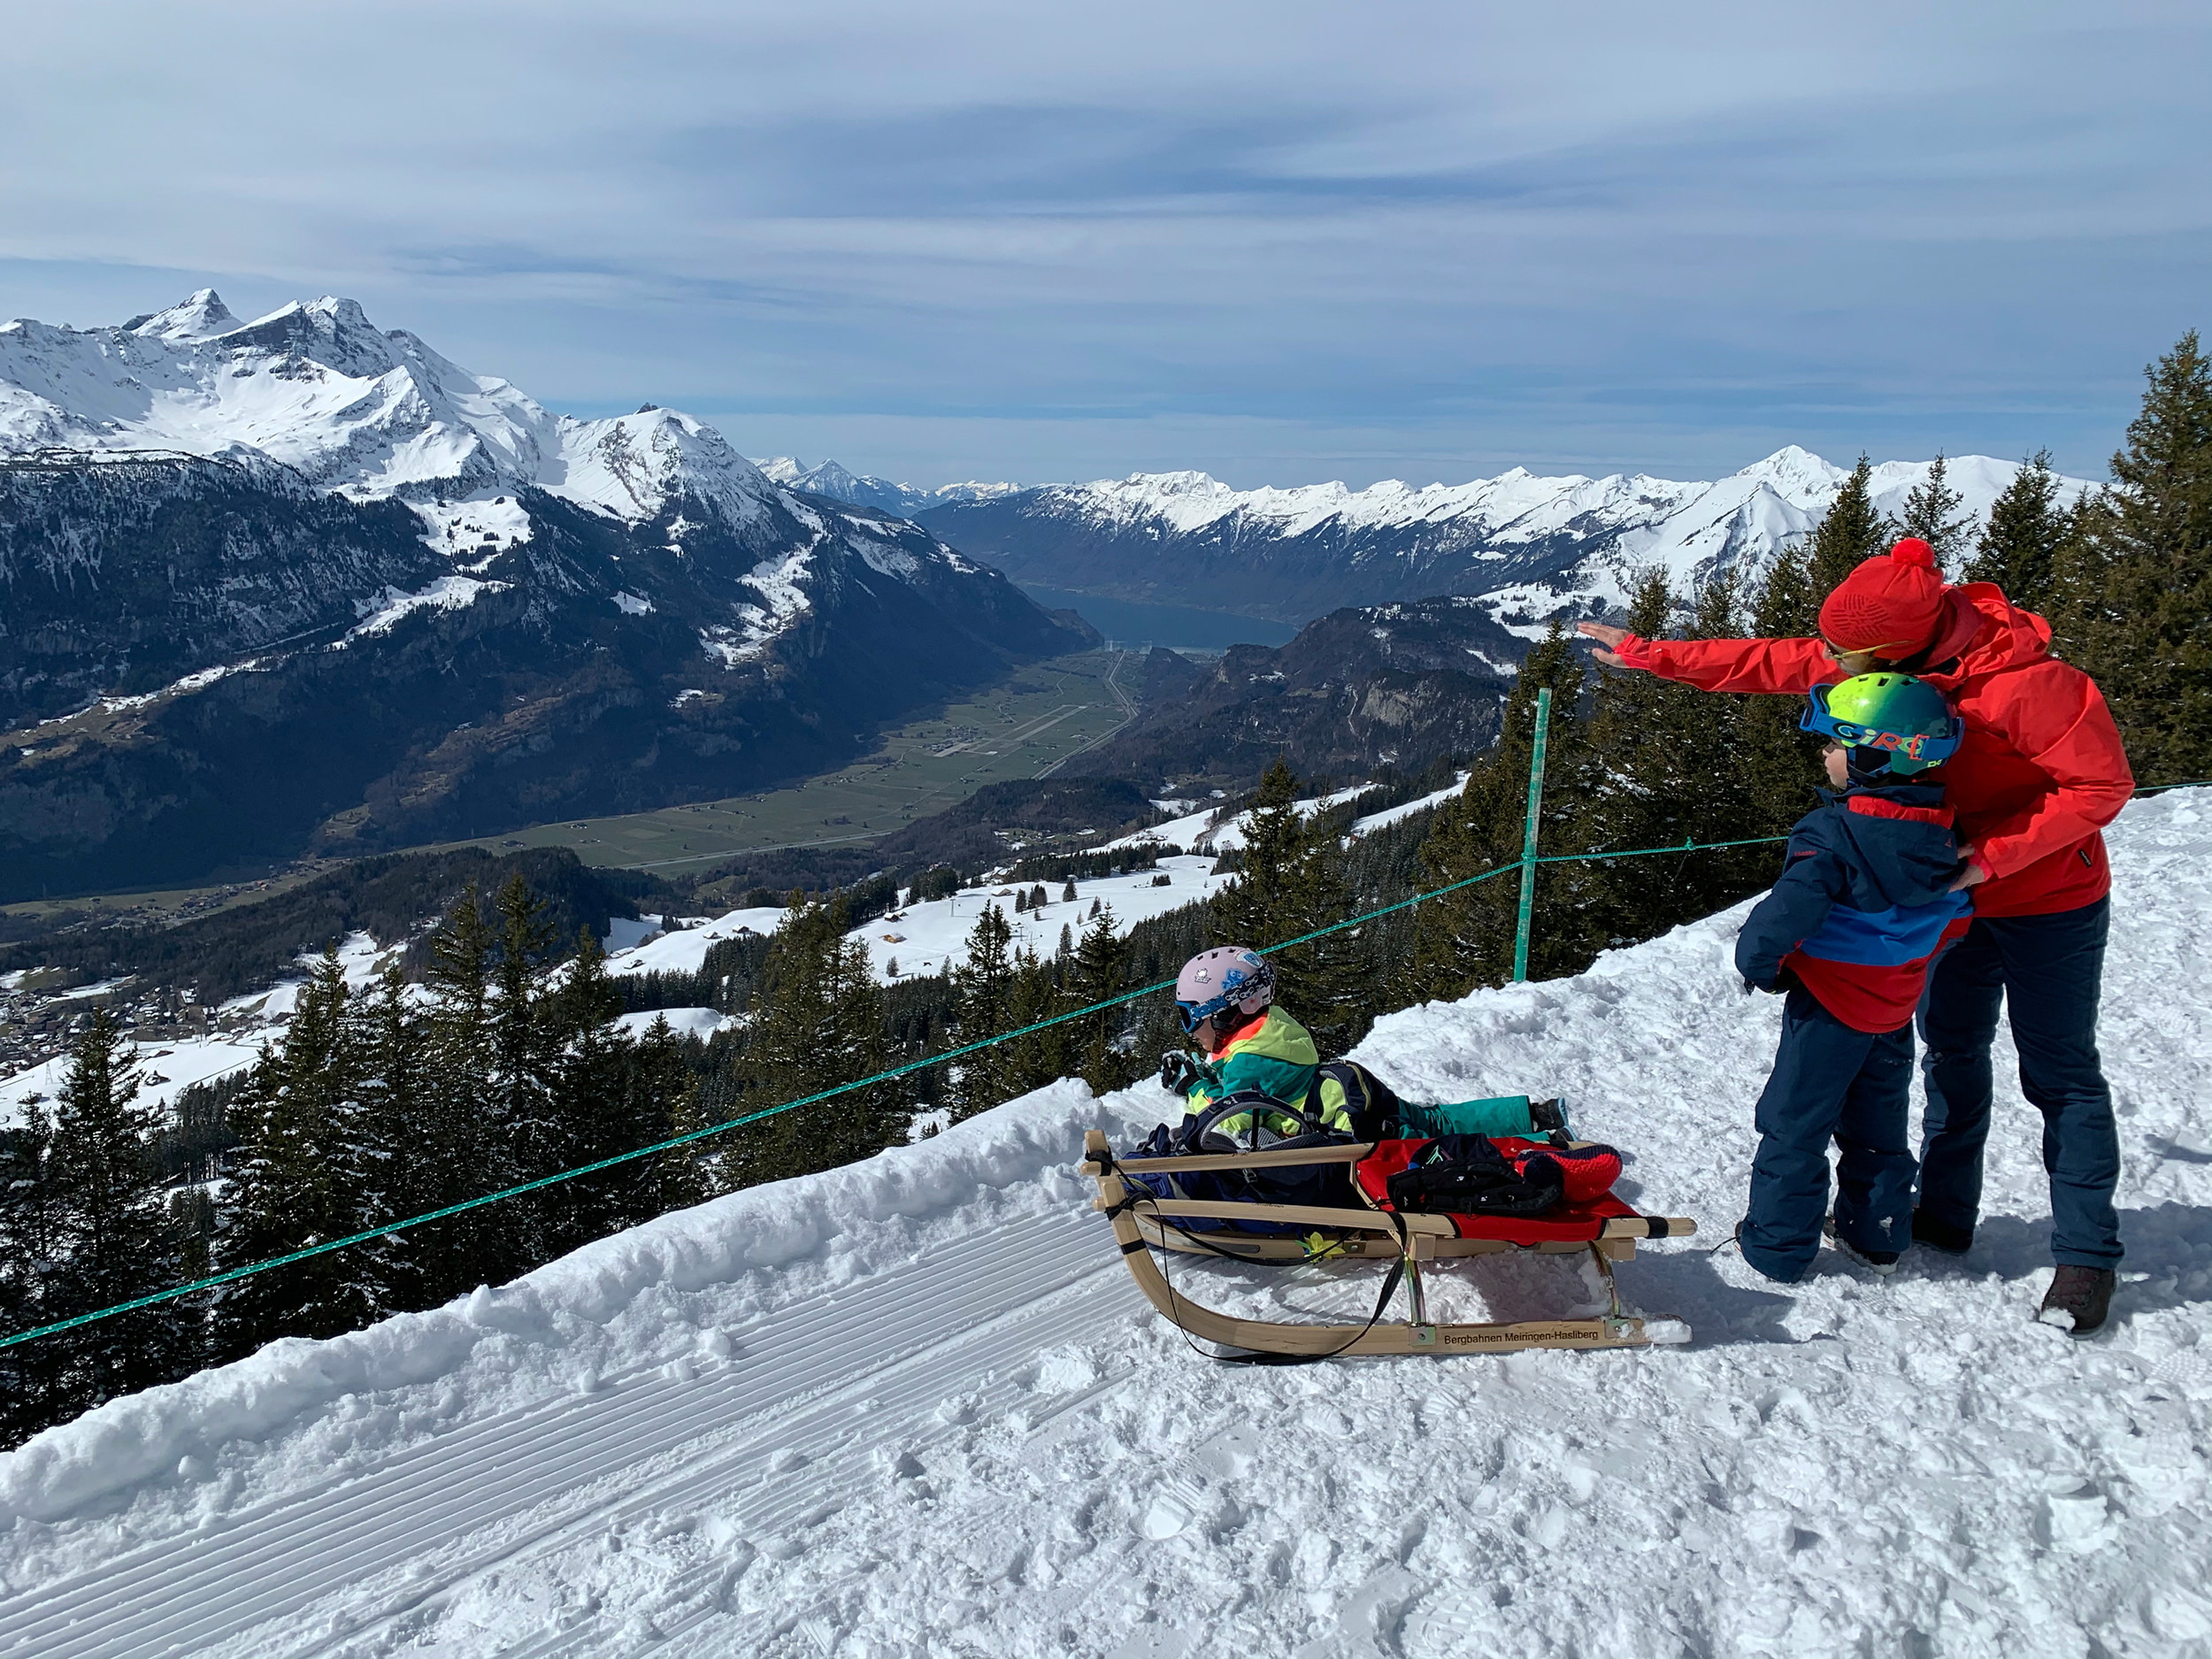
[363, 411]
[202, 316]
[631, 465]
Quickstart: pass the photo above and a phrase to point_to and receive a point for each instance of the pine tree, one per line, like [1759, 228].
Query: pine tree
[1851, 532]
[524, 1044]
[1465, 939]
[819, 1023]
[1037, 1057]
[401, 1135]
[983, 987]
[2149, 640]
[469, 1156]
[308, 1172]
[2019, 547]
[596, 1107]
[1931, 512]
[1248, 911]
[1289, 884]
[1094, 974]
[29, 1243]
[113, 1236]
[1776, 769]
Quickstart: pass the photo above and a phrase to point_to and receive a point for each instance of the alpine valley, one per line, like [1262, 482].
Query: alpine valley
[303, 585]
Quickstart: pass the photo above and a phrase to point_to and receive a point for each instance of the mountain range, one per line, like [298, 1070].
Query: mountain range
[1529, 547]
[302, 584]
[860, 489]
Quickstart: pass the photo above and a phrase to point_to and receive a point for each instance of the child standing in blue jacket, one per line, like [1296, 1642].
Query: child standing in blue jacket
[1868, 898]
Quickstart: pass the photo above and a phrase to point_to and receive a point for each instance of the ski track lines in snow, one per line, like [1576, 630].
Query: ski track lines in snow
[949, 1427]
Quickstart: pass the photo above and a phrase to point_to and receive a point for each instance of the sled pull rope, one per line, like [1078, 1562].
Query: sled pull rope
[246, 1272]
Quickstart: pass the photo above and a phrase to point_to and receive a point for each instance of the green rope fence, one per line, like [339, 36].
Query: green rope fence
[327, 1245]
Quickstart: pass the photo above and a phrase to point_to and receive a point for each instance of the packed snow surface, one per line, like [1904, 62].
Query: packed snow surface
[914, 1407]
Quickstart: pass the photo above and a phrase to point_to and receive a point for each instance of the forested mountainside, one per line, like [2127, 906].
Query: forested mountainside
[1362, 689]
[383, 602]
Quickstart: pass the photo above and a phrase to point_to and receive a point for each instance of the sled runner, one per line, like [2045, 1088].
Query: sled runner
[1143, 1222]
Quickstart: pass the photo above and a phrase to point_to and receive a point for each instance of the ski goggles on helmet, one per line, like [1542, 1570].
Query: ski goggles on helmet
[1196, 1014]
[1929, 750]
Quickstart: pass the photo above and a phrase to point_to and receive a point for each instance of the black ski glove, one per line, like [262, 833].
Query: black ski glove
[1179, 1071]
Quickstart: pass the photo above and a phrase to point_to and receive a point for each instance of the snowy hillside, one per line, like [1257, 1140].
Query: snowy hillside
[1530, 545]
[349, 406]
[913, 1407]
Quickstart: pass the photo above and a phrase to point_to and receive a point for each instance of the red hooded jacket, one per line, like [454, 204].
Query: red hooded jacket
[2040, 773]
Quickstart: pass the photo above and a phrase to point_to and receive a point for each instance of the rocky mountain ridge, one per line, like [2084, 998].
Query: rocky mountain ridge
[1529, 547]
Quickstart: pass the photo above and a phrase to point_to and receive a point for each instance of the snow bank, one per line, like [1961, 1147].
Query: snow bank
[544, 1326]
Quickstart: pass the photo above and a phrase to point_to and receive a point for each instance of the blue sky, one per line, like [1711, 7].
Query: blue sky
[1278, 241]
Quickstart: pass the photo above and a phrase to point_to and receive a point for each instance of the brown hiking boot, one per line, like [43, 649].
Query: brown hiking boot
[2079, 1298]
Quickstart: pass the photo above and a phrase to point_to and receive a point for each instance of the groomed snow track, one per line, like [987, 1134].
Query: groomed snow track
[848, 1371]
[913, 1408]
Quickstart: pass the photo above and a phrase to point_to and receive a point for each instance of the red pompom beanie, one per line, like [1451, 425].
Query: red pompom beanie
[1897, 599]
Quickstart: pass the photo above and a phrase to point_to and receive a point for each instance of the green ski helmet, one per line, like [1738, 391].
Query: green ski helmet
[1892, 723]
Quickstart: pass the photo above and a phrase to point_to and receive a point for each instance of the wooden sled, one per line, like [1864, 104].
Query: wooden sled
[1143, 1223]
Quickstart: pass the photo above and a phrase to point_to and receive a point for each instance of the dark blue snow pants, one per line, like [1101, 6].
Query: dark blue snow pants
[2048, 969]
[1830, 1083]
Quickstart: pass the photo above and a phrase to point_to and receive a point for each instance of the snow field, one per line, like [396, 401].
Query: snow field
[930, 937]
[913, 1407]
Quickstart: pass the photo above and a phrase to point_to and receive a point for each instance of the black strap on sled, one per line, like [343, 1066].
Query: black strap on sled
[1134, 1198]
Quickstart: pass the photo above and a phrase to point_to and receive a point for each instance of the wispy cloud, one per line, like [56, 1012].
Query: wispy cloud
[1277, 240]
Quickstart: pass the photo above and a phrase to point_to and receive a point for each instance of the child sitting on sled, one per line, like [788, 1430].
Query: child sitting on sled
[1868, 898]
[1252, 1047]
[1226, 999]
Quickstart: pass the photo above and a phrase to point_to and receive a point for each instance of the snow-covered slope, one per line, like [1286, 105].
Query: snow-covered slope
[1532, 544]
[350, 407]
[912, 1407]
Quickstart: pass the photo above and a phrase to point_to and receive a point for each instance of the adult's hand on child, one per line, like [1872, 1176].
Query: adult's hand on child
[1972, 876]
[1606, 635]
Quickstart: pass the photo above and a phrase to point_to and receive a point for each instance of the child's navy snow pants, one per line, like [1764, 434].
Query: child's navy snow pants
[2048, 968]
[1830, 1083]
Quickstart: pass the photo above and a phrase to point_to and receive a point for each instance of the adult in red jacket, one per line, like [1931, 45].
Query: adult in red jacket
[2040, 773]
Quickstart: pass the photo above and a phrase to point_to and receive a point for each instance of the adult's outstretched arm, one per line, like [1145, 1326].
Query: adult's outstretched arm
[1792, 667]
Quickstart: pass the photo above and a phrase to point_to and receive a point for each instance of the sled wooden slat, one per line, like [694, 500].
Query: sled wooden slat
[1258, 1247]
[1642, 1227]
[1142, 1229]
[1350, 1154]
[1303, 1215]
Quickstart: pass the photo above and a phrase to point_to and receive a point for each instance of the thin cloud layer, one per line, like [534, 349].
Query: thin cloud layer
[1279, 241]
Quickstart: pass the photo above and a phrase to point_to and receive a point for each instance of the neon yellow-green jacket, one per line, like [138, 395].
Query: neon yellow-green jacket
[1276, 1057]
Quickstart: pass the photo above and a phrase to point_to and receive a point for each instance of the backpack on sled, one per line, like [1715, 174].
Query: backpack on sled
[1249, 1120]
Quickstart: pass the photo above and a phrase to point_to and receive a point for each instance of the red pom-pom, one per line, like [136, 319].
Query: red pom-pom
[1912, 550]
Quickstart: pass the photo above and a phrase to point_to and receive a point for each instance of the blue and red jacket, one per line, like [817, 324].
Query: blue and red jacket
[1863, 906]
